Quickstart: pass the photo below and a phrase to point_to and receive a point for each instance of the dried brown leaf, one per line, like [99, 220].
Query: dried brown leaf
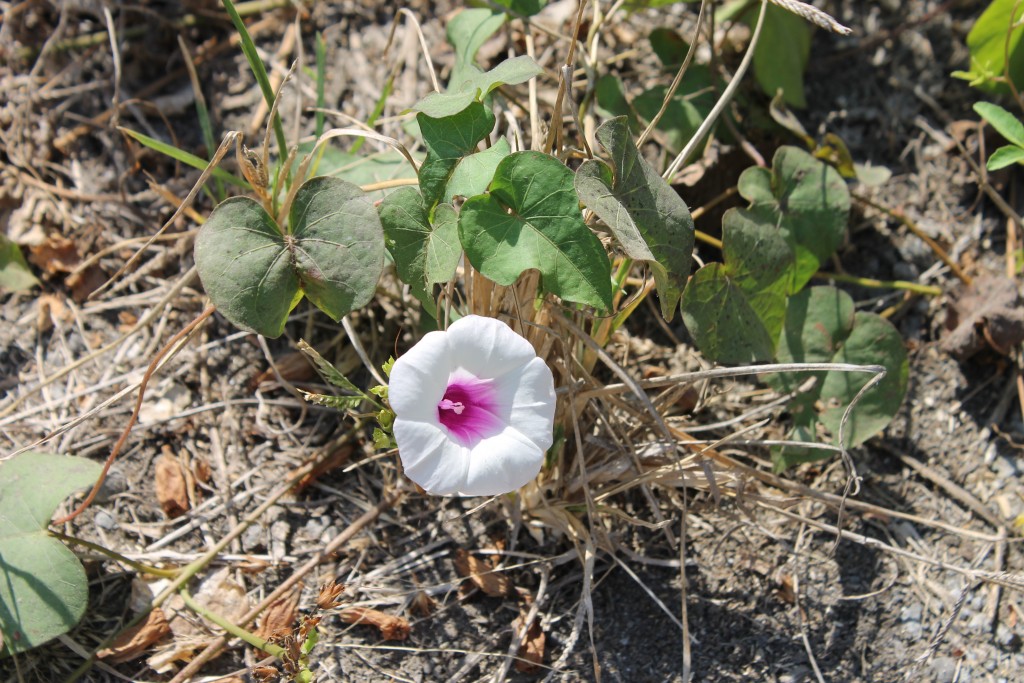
[531, 649]
[990, 311]
[171, 488]
[293, 367]
[135, 641]
[201, 470]
[390, 627]
[279, 618]
[482, 574]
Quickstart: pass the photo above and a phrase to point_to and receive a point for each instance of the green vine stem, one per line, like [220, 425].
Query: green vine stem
[137, 566]
[927, 290]
[233, 629]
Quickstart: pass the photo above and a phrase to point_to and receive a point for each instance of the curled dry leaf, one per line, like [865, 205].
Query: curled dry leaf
[991, 312]
[279, 618]
[135, 641]
[390, 627]
[531, 650]
[482, 574]
[171, 488]
[293, 367]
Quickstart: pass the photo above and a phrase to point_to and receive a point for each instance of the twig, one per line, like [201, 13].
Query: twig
[214, 648]
[921, 234]
[183, 334]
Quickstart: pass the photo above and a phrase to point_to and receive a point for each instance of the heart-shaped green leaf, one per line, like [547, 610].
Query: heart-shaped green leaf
[531, 218]
[650, 220]
[807, 199]
[473, 173]
[425, 253]
[449, 140]
[734, 310]
[476, 86]
[43, 589]
[333, 253]
[822, 326]
[467, 32]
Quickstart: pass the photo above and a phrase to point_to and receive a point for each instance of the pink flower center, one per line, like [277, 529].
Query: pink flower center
[468, 410]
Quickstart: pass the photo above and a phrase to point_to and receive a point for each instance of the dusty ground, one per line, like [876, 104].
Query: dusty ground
[768, 598]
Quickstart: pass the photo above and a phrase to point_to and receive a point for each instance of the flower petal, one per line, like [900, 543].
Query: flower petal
[488, 347]
[419, 378]
[526, 400]
[501, 464]
[430, 457]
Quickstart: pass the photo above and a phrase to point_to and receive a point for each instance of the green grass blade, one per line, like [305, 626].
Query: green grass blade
[259, 70]
[184, 157]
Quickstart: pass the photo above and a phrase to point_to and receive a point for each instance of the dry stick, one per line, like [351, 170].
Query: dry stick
[800, 610]
[677, 80]
[952, 488]
[185, 332]
[64, 141]
[720, 105]
[71, 367]
[918, 232]
[1012, 581]
[554, 139]
[276, 81]
[830, 498]
[214, 648]
[423, 45]
[187, 572]
[225, 145]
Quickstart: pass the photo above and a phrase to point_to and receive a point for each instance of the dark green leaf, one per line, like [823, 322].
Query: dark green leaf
[425, 253]
[650, 220]
[781, 54]
[687, 109]
[448, 140]
[531, 219]
[822, 326]
[809, 202]
[734, 311]
[333, 252]
[473, 173]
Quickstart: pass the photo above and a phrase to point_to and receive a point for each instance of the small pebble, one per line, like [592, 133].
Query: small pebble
[105, 520]
[911, 612]
[942, 669]
[114, 484]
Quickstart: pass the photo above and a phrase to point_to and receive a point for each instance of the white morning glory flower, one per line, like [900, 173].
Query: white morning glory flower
[474, 409]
